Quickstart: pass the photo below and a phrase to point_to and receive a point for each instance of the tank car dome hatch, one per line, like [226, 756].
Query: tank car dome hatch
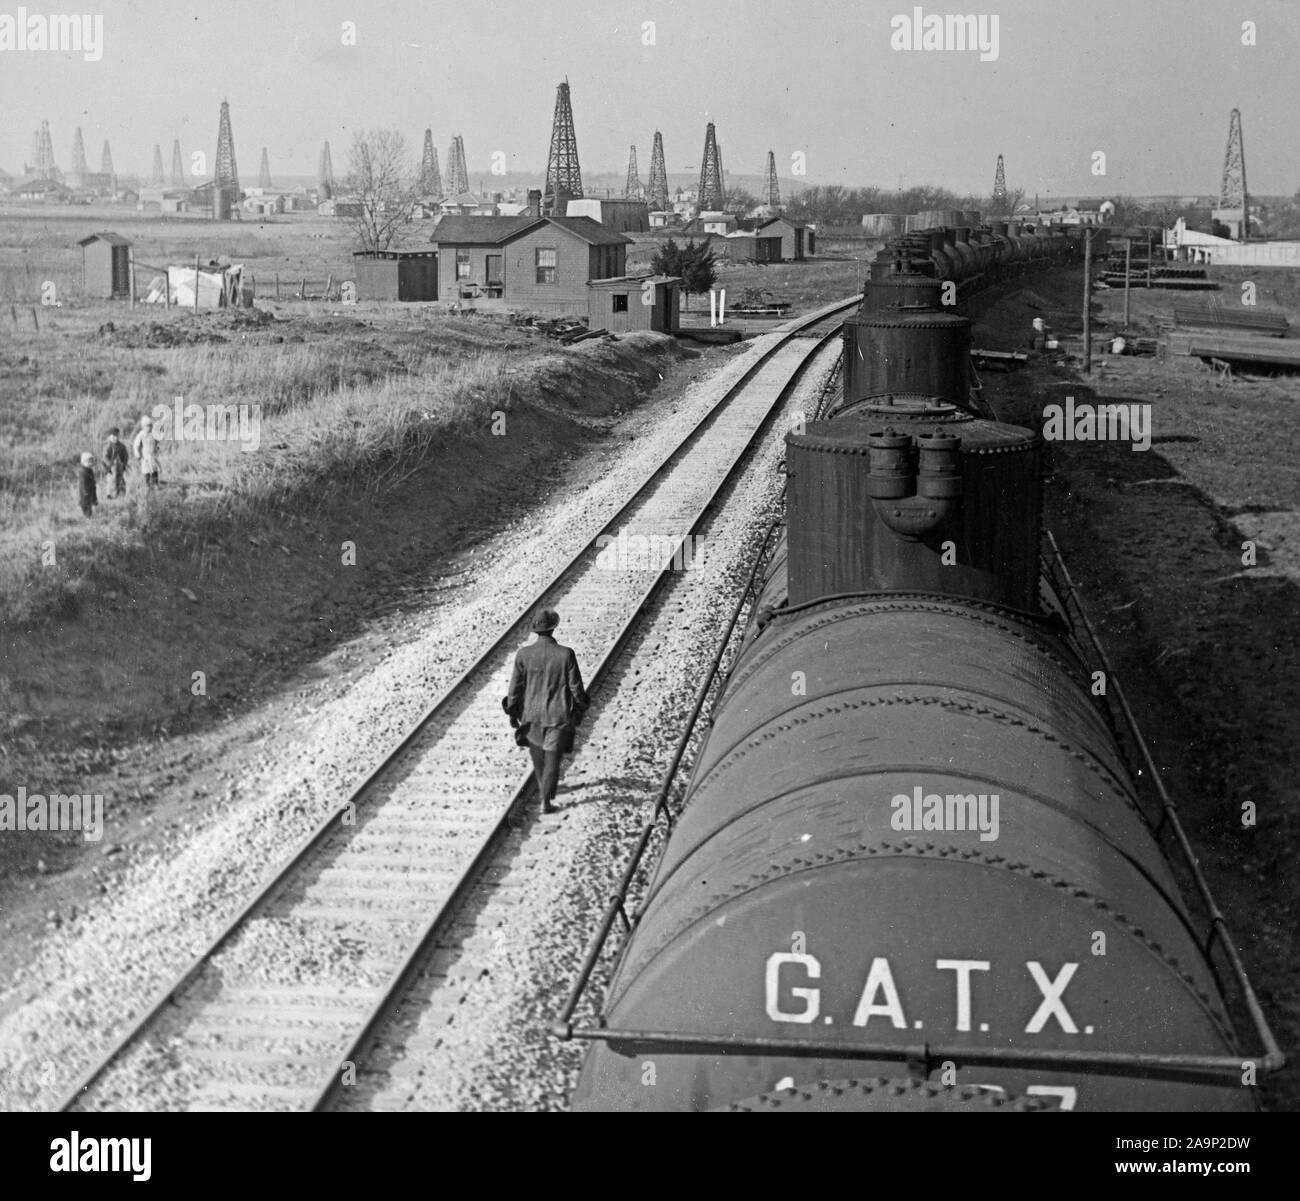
[985, 494]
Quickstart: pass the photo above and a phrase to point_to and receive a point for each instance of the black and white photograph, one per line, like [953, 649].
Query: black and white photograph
[650, 556]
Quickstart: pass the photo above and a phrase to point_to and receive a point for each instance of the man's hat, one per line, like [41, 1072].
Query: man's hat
[545, 620]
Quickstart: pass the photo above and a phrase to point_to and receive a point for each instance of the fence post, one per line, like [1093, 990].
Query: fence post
[196, 283]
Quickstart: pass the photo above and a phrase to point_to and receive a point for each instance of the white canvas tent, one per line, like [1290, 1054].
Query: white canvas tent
[219, 287]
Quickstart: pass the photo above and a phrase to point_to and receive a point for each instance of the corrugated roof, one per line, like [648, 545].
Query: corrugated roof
[105, 236]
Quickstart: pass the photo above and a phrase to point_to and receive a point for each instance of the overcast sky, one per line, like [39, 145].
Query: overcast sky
[1149, 82]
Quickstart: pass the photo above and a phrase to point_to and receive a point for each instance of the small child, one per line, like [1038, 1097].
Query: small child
[116, 458]
[89, 498]
[145, 448]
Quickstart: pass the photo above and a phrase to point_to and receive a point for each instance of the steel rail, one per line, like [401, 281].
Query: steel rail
[438, 922]
[1274, 1058]
[313, 840]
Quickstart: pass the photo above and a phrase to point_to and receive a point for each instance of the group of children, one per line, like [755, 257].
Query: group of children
[144, 448]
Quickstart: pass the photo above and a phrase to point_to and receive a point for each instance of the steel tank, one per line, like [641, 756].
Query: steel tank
[911, 346]
[806, 898]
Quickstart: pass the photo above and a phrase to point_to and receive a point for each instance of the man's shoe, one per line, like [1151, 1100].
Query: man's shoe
[547, 807]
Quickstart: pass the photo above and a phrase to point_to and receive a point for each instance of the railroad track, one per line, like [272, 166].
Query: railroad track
[275, 1010]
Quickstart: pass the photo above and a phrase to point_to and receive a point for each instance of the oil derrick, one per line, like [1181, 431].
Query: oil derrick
[1232, 210]
[29, 167]
[563, 175]
[710, 193]
[430, 176]
[658, 190]
[106, 160]
[156, 178]
[227, 175]
[79, 167]
[1000, 188]
[325, 174]
[773, 188]
[178, 165]
[264, 173]
[457, 171]
[632, 190]
[45, 165]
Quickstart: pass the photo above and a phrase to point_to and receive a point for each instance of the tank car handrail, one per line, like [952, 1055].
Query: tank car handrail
[925, 1057]
[1274, 1058]
[562, 1027]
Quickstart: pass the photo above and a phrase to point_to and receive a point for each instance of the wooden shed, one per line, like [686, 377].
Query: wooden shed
[619, 305]
[754, 247]
[396, 274]
[106, 266]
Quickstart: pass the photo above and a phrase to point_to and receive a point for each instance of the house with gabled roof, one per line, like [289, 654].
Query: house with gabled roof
[526, 263]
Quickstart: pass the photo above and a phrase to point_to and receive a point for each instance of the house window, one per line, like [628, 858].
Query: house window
[546, 264]
[620, 302]
[462, 264]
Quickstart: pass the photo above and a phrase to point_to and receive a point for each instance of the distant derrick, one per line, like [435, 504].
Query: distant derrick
[264, 174]
[178, 165]
[79, 167]
[1000, 188]
[773, 187]
[632, 189]
[156, 177]
[563, 175]
[227, 172]
[457, 171]
[325, 174]
[710, 191]
[46, 168]
[430, 176]
[1233, 208]
[106, 160]
[658, 189]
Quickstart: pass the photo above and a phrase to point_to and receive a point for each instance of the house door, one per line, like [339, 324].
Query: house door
[495, 280]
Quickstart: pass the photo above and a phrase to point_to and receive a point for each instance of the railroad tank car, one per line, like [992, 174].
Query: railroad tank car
[911, 870]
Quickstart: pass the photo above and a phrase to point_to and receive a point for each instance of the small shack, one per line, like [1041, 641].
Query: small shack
[396, 274]
[106, 266]
[634, 302]
[753, 247]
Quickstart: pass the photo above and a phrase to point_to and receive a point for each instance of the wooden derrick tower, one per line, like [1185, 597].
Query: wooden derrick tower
[710, 194]
[563, 175]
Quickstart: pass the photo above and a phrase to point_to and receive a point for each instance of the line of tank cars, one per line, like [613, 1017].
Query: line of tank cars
[912, 870]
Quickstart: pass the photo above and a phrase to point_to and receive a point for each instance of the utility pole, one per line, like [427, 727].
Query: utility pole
[1087, 301]
[1128, 259]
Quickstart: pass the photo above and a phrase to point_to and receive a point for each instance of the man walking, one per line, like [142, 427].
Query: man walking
[548, 700]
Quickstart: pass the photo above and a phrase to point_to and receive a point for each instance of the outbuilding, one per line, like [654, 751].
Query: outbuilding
[396, 274]
[794, 243]
[106, 266]
[626, 303]
[753, 247]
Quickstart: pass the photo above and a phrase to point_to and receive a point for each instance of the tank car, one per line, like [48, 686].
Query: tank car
[911, 870]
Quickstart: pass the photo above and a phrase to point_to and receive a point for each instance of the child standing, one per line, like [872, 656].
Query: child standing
[145, 447]
[115, 461]
[86, 480]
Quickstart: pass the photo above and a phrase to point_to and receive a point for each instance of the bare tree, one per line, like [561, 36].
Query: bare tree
[382, 182]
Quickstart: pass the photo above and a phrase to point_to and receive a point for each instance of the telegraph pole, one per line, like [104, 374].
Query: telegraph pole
[1128, 259]
[1087, 301]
